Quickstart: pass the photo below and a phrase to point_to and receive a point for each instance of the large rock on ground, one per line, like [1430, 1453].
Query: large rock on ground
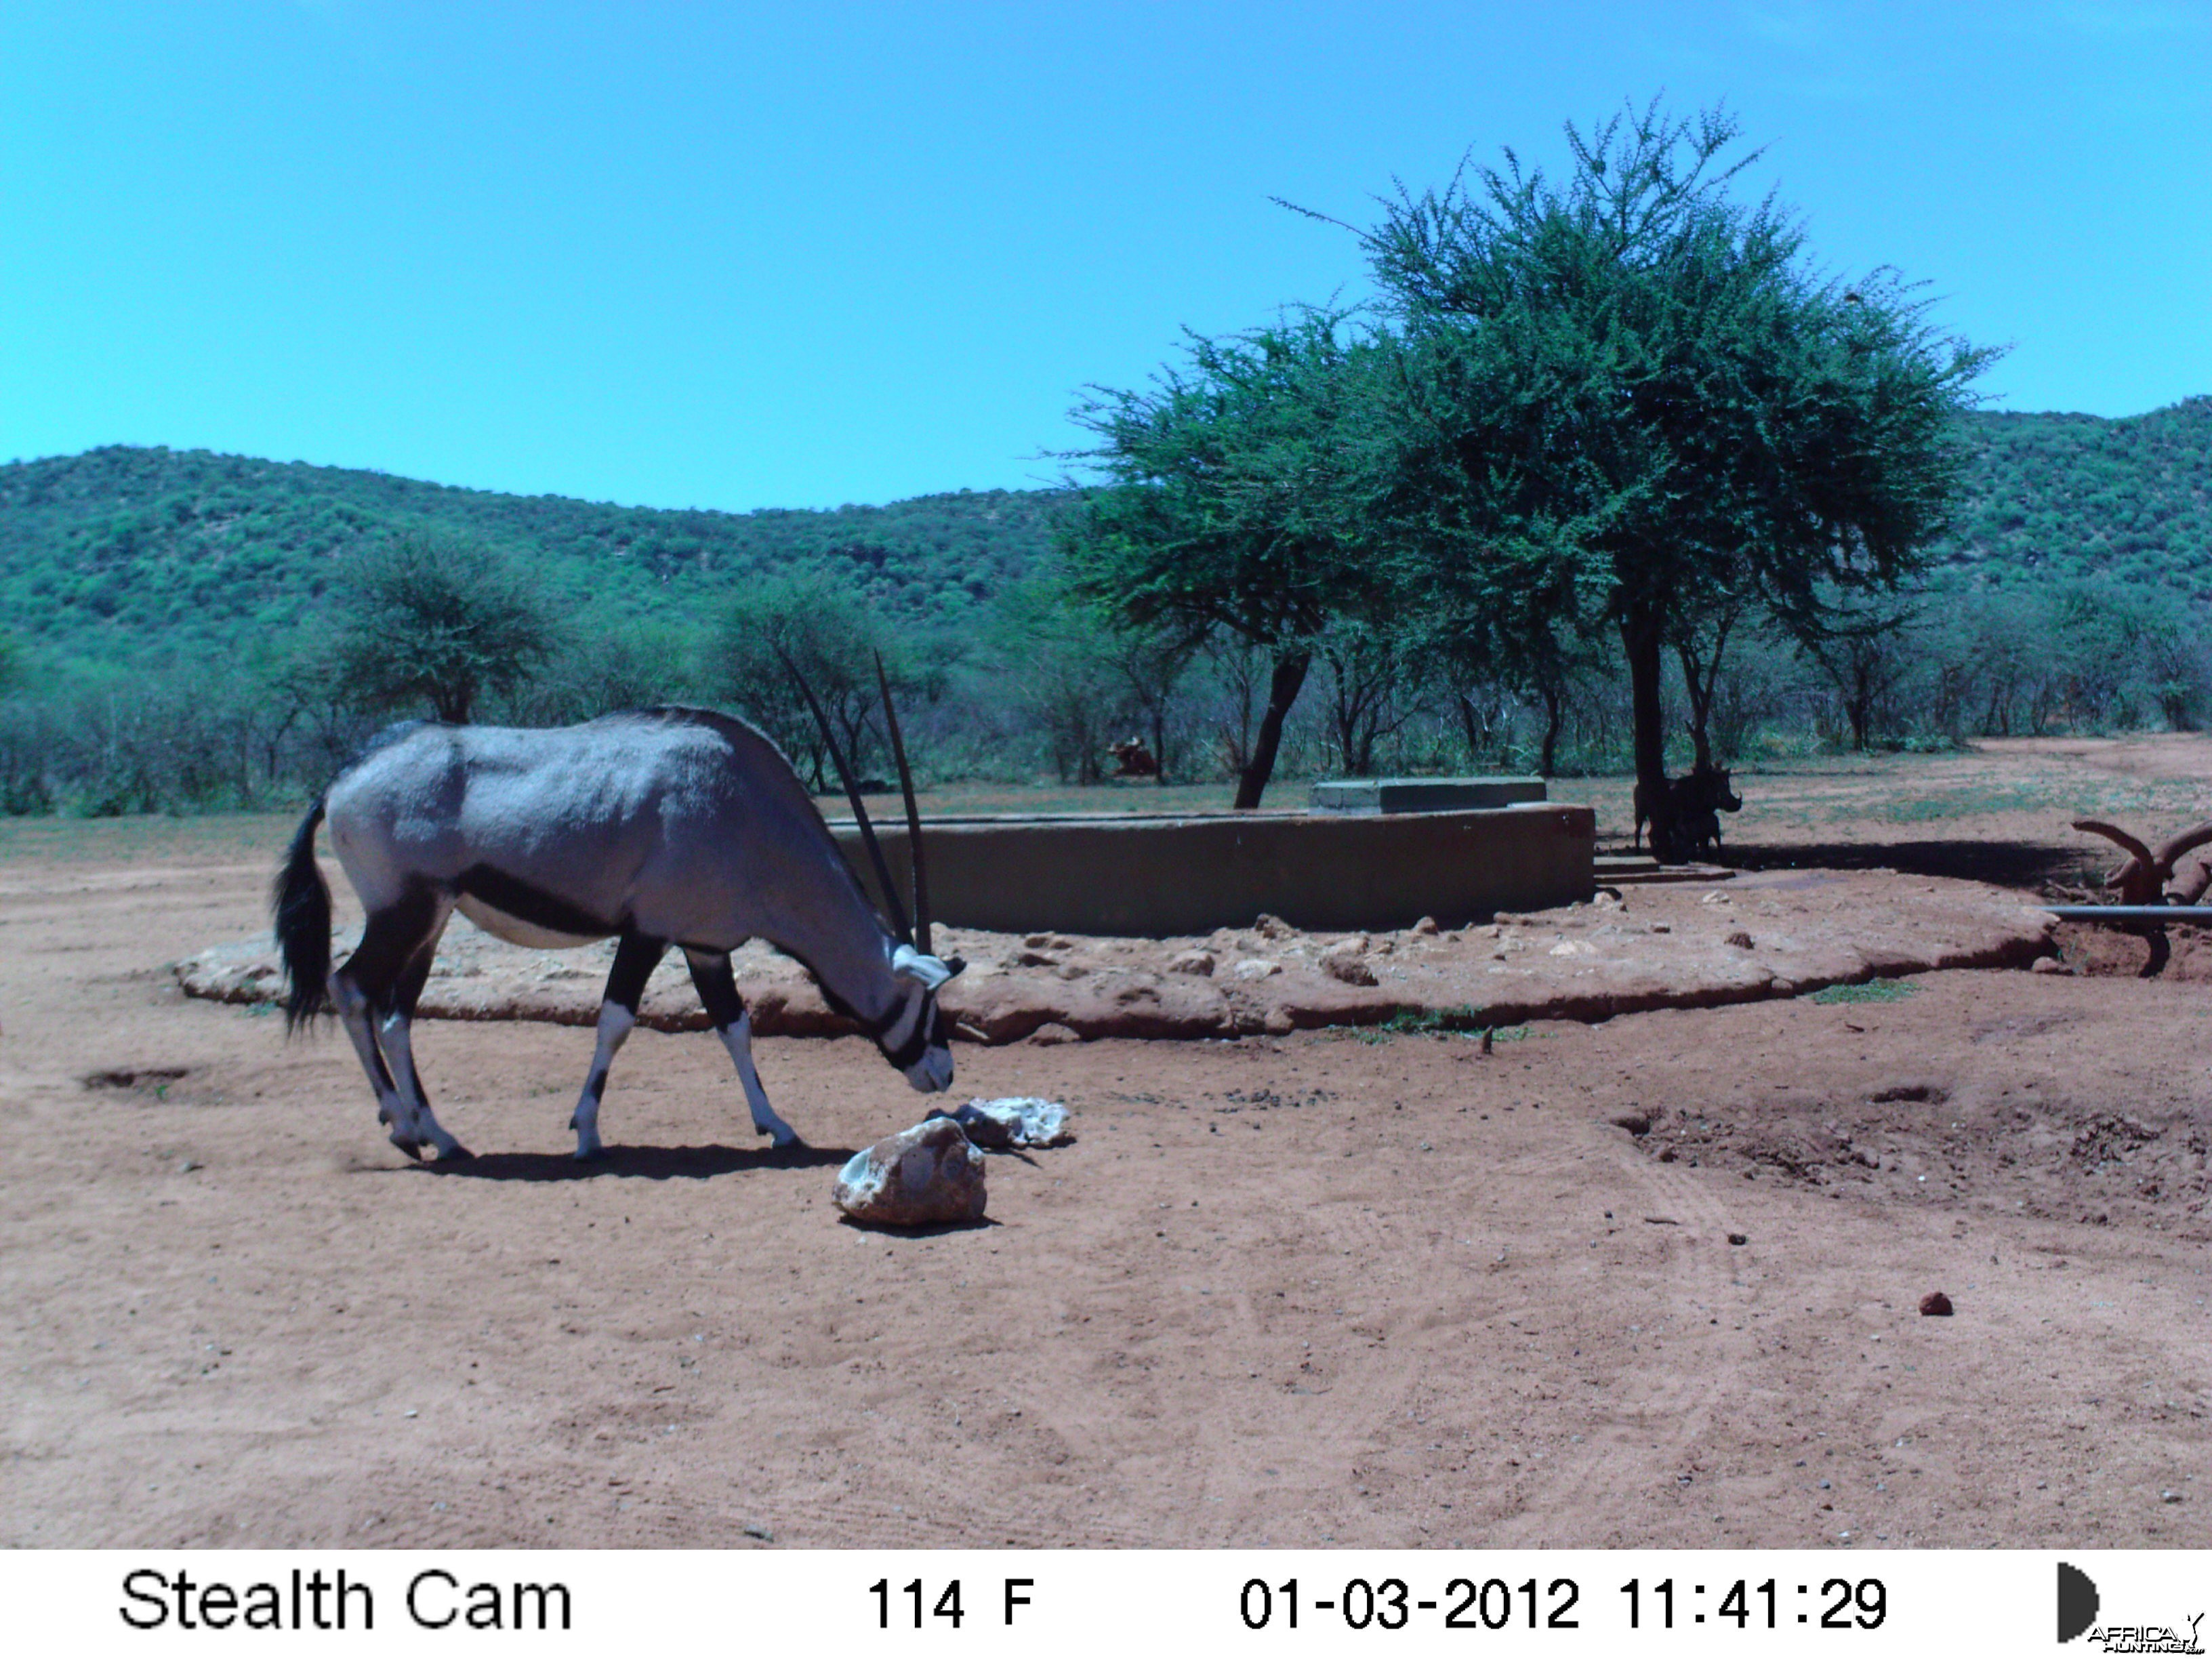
[919, 1177]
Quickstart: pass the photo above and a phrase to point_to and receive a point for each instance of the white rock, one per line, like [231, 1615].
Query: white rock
[1256, 967]
[1014, 1120]
[927, 1174]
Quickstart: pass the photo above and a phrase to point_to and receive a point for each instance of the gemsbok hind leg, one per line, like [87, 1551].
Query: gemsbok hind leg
[394, 955]
[718, 993]
[395, 1036]
[635, 958]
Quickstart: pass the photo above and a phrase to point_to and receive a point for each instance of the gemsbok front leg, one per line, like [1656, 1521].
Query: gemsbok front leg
[635, 958]
[718, 993]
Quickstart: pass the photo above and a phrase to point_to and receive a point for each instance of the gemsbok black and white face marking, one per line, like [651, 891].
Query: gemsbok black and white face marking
[666, 827]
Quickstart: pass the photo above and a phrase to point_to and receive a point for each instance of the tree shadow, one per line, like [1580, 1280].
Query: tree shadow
[2020, 864]
[641, 1163]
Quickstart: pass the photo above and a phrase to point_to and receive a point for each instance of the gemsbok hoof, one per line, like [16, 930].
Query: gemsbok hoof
[412, 1148]
[455, 1153]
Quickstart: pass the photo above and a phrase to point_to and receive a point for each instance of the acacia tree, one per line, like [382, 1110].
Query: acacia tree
[1375, 682]
[1234, 501]
[1630, 393]
[833, 637]
[1700, 635]
[424, 621]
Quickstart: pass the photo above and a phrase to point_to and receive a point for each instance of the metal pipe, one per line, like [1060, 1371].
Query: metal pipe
[2199, 913]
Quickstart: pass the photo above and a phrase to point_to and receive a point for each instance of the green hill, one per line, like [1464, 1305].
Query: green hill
[159, 556]
[2056, 497]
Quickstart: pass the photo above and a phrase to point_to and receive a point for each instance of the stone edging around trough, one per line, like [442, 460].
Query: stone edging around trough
[1771, 935]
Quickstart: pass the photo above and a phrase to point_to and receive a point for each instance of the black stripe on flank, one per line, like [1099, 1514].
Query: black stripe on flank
[515, 897]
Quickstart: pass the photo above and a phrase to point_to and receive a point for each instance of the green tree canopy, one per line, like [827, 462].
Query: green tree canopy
[438, 622]
[1236, 488]
[832, 635]
[1628, 397]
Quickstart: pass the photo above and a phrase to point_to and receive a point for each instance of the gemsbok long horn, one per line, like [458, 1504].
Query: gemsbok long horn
[852, 794]
[913, 814]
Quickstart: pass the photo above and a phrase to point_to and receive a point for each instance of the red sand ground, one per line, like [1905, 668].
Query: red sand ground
[1314, 1289]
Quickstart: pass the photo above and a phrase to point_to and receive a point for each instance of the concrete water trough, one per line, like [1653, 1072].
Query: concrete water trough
[1144, 876]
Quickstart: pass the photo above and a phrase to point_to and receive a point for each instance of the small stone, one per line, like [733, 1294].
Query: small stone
[2048, 965]
[920, 1176]
[1738, 1238]
[1255, 968]
[760, 1533]
[1344, 962]
[1427, 927]
[1269, 927]
[1740, 939]
[1036, 958]
[2169, 1497]
[1935, 1305]
[1052, 1034]
[1199, 962]
[1014, 1120]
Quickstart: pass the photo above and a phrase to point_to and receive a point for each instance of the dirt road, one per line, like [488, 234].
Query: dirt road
[1314, 1289]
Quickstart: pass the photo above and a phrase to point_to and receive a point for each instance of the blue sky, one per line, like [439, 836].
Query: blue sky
[740, 256]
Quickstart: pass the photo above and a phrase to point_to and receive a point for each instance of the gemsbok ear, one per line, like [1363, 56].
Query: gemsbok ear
[926, 970]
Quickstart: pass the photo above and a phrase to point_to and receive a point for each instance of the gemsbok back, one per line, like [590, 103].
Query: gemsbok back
[656, 828]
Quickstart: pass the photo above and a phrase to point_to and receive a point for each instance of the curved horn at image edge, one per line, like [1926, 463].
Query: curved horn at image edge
[852, 794]
[912, 813]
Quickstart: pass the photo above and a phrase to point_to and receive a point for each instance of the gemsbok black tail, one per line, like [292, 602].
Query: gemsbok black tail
[301, 902]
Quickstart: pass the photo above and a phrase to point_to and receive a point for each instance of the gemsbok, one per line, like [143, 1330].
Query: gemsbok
[656, 828]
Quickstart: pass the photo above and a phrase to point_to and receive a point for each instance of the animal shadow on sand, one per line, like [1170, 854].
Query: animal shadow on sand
[640, 1163]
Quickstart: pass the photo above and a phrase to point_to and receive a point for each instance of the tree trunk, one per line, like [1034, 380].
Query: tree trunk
[1555, 710]
[1643, 638]
[1290, 674]
[1701, 707]
[1858, 708]
[1476, 744]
